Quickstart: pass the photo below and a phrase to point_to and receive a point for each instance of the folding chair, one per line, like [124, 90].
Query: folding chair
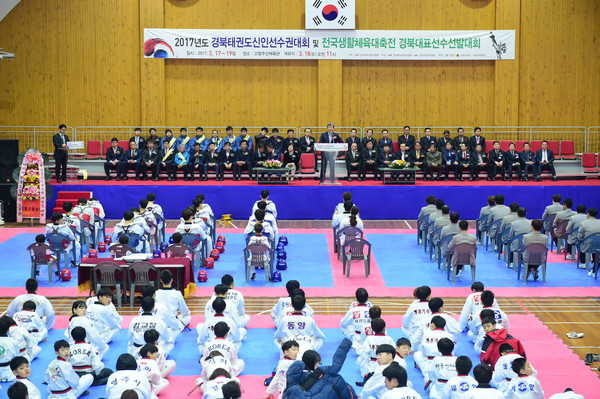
[258, 255]
[355, 250]
[105, 274]
[39, 256]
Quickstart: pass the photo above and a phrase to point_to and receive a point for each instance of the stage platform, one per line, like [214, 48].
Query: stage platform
[306, 199]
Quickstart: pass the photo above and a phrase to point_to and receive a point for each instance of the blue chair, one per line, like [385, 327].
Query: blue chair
[500, 239]
[515, 242]
[428, 226]
[420, 223]
[59, 243]
[197, 244]
[548, 222]
[435, 237]
[592, 243]
[480, 227]
[492, 228]
[573, 246]
[163, 229]
[442, 250]
[135, 240]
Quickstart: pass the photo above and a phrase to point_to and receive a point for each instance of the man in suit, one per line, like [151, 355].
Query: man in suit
[307, 143]
[574, 224]
[114, 156]
[243, 161]
[499, 211]
[460, 138]
[450, 162]
[545, 161]
[497, 162]
[434, 162]
[445, 139]
[276, 141]
[479, 163]
[464, 161]
[417, 157]
[385, 140]
[513, 162]
[131, 161]
[563, 216]
[386, 157]
[429, 208]
[588, 227]
[367, 138]
[290, 139]
[428, 140]
[528, 162]
[166, 156]
[552, 209]
[149, 161]
[535, 237]
[521, 225]
[211, 161]
[402, 153]
[452, 227]
[477, 139]
[61, 152]
[509, 219]
[353, 139]
[407, 138]
[354, 162]
[226, 160]
[196, 161]
[140, 142]
[328, 137]
[370, 160]
[463, 237]
[244, 136]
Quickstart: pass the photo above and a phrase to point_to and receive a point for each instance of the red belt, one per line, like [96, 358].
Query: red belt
[22, 350]
[430, 357]
[59, 392]
[373, 359]
[508, 379]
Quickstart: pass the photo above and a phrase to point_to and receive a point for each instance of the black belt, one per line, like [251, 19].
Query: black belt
[137, 345]
[508, 379]
[34, 330]
[81, 367]
[357, 332]
[373, 359]
[63, 391]
[443, 381]
[22, 350]
[430, 357]
[4, 364]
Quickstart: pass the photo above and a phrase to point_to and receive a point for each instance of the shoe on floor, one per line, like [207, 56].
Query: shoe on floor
[536, 275]
[591, 273]
[568, 257]
[574, 335]
[253, 276]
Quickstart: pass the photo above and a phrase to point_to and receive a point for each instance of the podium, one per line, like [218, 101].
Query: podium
[329, 151]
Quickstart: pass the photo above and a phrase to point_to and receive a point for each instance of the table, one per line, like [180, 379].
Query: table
[410, 175]
[182, 270]
[286, 173]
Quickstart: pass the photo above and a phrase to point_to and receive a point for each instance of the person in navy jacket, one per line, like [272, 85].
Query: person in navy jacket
[131, 161]
[545, 161]
[243, 161]
[451, 161]
[477, 139]
[528, 162]
[513, 162]
[428, 140]
[114, 156]
[353, 139]
[328, 137]
[226, 159]
[497, 161]
[385, 140]
[407, 139]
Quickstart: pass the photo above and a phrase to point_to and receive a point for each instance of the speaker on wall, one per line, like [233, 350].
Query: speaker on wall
[9, 150]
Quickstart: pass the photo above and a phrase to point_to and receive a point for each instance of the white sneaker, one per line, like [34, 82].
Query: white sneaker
[569, 256]
[591, 273]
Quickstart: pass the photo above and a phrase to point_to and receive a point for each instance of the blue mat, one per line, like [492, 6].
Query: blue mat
[258, 351]
[416, 267]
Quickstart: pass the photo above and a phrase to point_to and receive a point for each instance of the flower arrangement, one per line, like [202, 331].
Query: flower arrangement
[273, 164]
[31, 192]
[31, 182]
[32, 175]
[399, 164]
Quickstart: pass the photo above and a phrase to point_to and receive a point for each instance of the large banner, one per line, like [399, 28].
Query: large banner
[329, 45]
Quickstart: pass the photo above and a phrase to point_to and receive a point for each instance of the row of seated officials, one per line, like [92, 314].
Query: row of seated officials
[199, 155]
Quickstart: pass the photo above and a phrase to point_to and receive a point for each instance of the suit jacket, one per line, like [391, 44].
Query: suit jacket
[417, 158]
[385, 156]
[370, 155]
[210, 157]
[449, 229]
[157, 142]
[287, 141]
[527, 156]
[475, 158]
[563, 215]
[196, 158]
[130, 156]
[325, 138]
[383, 142]
[433, 157]
[535, 237]
[442, 221]
[538, 156]
[426, 142]
[497, 156]
[463, 238]
[410, 141]
[552, 209]
[449, 156]
[519, 226]
[56, 140]
[575, 223]
[112, 155]
[407, 156]
[498, 212]
[162, 153]
[588, 227]
[365, 140]
[277, 143]
[241, 156]
[141, 142]
[513, 157]
[351, 140]
[458, 140]
[227, 158]
[148, 156]
[466, 160]
[443, 141]
[294, 158]
[473, 143]
[351, 158]
[304, 145]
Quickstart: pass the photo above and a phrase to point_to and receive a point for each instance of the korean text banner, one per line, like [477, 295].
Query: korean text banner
[333, 45]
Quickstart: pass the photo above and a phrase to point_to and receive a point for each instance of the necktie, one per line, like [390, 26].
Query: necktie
[62, 138]
[354, 154]
[133, 154]
[480, 159]
[403, 156]
[545, 157]
[464, 155]
[477, 139]
[330, 138]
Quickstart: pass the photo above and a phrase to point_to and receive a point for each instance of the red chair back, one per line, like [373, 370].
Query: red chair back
[519, 145]
[504, 144]
[307, 162]
[567, 147]
[553, 146]
[588, 160]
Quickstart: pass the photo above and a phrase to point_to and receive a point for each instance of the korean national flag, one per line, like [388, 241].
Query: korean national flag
[330, 14]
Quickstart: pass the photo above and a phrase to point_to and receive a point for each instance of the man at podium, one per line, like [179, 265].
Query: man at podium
[328, 137]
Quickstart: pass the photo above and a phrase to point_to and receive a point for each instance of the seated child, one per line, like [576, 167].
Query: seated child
[403, 350]
[58, 226]
[457, 387]
[31, 321]
[146, 321]
[20, 368]
[206, 330]
[85, 358]
[221, 386]
[161, 311]
[127, 225]
[28, 346]
[128, 378]
[483, 375]
[215, 360]
[436, 306]
[494, 337]
[525, 385]
[284, 301]
[396, 381]
[18, 390]
[375, 387]
[104, 316]
[173, 300]
[487, 300]
[78, 319]
[374, 313]
[297, 323]
[290, 351]
[43, 306]
[427, 348]
[441, 368]
[417, 312]
[306, 311]
[148, 366]
[472, 305]
[165, 366]
[258, 238]
[367, 353]
[357, 316]
[503, 372]
[235, 299]
[227, 348]
[193, 228]
[62, 381]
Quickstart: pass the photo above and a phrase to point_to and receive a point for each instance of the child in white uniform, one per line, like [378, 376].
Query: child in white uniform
[78, 319]
[367, 353]
[148, 366]
[472, 305]
[227, 348]
[31, 321]
[525, 385]
[416, 312]
[147, 321]
[483, 375]
[165, 366]
[21, 369]
[284, 301]
[9, 348]
[396, 381]
[457, 387]
[58, 226]
[173, 300]
[104, 316]
[43, 307]
[63, 382]
[375, 387]
[290, 351]
[441, 369]
[206, 330]
[85, 358]
[503, 372]
[436, 306]
[235, 298]
[28, 346]
[289, 326]
[128, 226]
[127, 377]
[427, 348]
[357, 317]
[288, 311]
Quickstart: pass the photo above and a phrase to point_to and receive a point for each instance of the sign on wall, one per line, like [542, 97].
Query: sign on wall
[333, 45]
[330, 14]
